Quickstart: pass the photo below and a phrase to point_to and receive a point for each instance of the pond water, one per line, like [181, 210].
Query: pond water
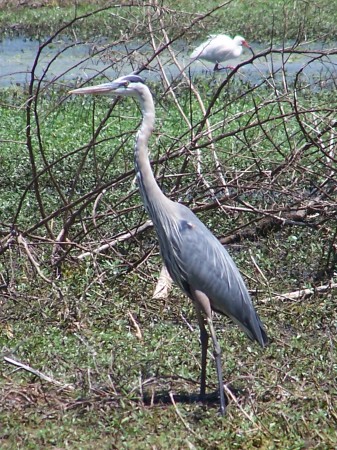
[67, 62]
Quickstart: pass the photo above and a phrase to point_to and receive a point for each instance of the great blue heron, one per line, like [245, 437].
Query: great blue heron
[195, 259]
[220, 48]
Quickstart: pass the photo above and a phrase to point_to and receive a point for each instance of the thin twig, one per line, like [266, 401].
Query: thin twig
[302, 293]
[31, 258]
[37, 373]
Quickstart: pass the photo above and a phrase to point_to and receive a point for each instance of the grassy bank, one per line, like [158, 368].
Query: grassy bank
[113, 354]
[99, 361]
[278, 20]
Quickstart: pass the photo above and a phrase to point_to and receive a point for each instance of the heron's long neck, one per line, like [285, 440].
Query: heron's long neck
[149, 189]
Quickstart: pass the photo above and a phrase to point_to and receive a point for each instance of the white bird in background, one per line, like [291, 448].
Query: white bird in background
[219, 48]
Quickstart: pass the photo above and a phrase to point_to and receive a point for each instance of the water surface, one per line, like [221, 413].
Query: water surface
[69, 62]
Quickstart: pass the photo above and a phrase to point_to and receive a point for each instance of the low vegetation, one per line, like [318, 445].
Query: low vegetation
[282, 20]
[89, 357]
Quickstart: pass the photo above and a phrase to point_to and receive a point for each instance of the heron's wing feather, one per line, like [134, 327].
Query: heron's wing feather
[201, 262]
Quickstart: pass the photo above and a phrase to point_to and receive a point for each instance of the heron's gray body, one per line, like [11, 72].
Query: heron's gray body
[195, 259]
[207, 268]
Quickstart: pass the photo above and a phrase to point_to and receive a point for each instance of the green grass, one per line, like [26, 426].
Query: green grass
[113, 351]
[79, 330]
[282, 19]
[285, 392]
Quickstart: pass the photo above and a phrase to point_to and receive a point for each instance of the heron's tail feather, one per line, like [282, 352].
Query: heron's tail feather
[254, 329]
[262, 337]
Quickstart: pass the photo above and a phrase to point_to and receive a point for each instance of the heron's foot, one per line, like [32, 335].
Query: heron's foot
[202, 397]
[214, 397]
[222, 410]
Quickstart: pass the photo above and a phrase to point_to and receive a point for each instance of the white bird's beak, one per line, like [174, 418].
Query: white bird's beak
[245, 44]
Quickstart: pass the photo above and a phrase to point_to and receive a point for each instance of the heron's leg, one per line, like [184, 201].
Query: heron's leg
[203, 304]
[204, 346]
[216, 67]
[217, 356]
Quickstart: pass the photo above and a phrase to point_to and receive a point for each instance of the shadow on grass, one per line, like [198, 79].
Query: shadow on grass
[165, 397]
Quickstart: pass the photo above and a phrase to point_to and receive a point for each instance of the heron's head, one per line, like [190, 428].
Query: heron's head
[129, 85]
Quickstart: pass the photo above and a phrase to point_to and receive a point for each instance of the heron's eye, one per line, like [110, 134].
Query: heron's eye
[126, 83]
